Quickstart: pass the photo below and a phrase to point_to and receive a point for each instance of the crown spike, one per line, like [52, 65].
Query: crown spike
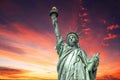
[79, 34]
[76, 28]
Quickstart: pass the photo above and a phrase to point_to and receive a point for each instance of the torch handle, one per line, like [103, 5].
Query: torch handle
[54, 20]
[54, 15]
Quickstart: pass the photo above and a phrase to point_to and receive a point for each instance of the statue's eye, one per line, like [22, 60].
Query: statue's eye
[72, 37]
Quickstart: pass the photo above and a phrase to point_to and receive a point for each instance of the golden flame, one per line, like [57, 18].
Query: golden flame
[54, 8]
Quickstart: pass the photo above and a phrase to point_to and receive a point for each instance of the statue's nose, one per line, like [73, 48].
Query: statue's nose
[72, 39]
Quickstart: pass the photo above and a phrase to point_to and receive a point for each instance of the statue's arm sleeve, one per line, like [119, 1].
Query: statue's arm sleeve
[85, 58]
[60, 46]
[60, 41]
[89, 62]
[89, 66]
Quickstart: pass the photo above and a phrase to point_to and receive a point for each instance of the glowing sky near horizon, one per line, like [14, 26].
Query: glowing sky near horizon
[27, 40]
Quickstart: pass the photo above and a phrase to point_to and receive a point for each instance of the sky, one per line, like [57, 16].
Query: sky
[27, 39]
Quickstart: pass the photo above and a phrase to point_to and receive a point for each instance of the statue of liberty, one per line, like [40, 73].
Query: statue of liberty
[73, 62]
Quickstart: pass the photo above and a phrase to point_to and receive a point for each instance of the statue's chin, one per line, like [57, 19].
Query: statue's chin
[72, 44]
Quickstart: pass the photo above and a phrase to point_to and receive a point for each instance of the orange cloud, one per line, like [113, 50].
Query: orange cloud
[6, 72]
[12, 73]
[112, 76]
[28, 46]
[108, 77]
[113, 26]
[110, 36]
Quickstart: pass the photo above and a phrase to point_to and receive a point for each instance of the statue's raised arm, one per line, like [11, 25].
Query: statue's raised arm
[54, 14]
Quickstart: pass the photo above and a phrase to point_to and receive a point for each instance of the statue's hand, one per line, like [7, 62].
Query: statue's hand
[94, 62]
[96, 57]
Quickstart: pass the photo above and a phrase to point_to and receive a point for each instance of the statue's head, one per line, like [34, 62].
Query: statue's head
[72, 39]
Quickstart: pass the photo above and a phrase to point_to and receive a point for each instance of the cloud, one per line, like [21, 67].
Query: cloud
[84, 14]
[103, 21]
[87, 30]
[113, 26]
[33, 70]
[86, 20]
[108, 77]
[105, 44]
[37, 49]
[14, 71]
[26, 34]
[11, 72]
[110, 36]
[29, 42]
[9, 48]
[82, 8]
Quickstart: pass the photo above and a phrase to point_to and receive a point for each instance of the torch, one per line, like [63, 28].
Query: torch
[54, 15]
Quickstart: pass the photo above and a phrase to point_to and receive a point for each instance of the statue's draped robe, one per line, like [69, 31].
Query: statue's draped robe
[72, 63]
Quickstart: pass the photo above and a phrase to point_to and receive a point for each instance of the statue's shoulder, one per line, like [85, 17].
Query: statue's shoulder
[66, 45]
[83, 52]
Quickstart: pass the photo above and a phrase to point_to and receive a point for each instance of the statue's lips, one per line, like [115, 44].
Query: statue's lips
[72, 41]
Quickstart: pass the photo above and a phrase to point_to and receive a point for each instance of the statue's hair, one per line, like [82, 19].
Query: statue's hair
[73, 33]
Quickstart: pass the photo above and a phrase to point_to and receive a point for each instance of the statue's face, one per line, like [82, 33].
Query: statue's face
[72, 39]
